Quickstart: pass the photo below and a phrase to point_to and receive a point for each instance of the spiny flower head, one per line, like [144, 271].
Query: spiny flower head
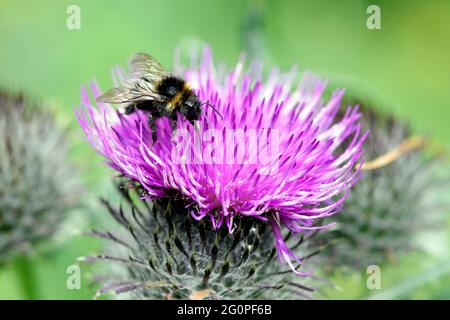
[277, 153]
[386, 210]
[161, 252]
[37, 184]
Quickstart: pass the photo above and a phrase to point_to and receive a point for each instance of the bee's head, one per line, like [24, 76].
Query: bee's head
[191, 108]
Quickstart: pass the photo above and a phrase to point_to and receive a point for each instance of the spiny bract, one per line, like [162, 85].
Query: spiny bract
[166, 254]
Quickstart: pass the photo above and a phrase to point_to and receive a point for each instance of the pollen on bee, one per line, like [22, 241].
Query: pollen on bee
[178, 98]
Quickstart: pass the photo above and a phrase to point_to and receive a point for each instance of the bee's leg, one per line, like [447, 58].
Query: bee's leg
[152, 125]
[130, 109]
[195, 124]
[173, 124]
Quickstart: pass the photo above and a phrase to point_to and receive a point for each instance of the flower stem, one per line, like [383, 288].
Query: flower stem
[27, 277]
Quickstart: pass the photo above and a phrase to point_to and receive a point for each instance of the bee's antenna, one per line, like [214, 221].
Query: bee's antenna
[210, 105]
[207, 120]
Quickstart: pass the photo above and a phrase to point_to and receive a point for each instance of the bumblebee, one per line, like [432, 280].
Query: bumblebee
[150, 88]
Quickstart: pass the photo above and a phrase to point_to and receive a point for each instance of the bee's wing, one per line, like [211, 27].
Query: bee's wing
[143, 65]
[145, 73]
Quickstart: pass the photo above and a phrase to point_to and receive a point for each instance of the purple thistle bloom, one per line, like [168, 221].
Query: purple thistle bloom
[223, 173]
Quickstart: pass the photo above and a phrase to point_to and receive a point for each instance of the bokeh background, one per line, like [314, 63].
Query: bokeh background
[404, 68]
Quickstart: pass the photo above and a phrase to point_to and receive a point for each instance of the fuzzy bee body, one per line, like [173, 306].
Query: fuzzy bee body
[152, 89]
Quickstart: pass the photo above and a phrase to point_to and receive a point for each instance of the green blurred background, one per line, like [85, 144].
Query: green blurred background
[403, 68]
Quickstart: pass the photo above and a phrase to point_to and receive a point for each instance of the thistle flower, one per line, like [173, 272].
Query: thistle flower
[386, 209]
[275, 156]
[37, 184]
